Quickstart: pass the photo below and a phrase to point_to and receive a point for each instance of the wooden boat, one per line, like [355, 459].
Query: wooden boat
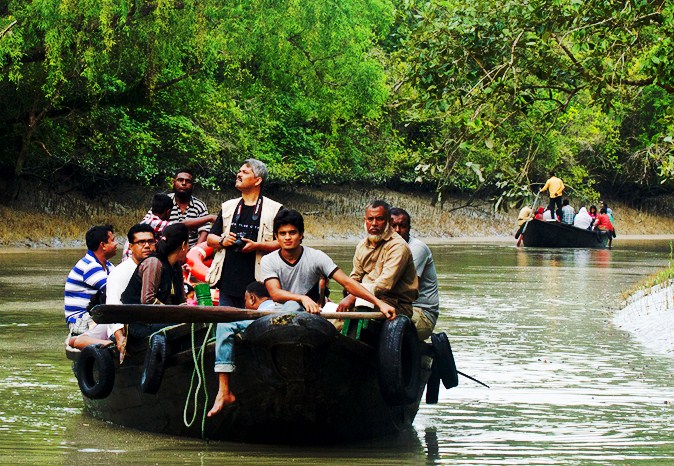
[539, 233]
[298, 380]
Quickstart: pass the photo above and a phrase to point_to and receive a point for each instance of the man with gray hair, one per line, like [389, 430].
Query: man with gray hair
[383, 263]
[241, 235]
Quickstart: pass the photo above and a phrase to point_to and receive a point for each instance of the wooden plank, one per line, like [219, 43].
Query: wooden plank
[172, 314]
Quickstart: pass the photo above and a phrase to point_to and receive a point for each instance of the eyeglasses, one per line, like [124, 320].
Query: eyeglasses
[143, 242]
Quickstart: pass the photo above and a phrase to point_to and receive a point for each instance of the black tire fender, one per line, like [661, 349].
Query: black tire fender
[442, 352]
[95, 372]
[399, 356]
[155, 363]
[433, 385]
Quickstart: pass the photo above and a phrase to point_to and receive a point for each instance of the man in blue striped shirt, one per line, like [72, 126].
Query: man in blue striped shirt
[89, 277]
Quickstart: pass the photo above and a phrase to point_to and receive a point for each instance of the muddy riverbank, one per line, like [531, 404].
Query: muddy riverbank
[42, 220]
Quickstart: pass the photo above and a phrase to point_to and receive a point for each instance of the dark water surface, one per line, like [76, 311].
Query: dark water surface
[567, 387]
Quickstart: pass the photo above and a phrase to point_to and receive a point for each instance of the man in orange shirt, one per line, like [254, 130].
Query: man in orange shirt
[555, 187]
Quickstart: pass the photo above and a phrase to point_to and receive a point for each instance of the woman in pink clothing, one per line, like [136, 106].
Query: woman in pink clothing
[593, 211]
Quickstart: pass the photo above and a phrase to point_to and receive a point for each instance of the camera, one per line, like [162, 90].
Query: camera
[239, 243]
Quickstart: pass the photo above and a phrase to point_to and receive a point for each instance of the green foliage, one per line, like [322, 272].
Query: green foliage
[130, 90]
[533, 87]
[483, 97]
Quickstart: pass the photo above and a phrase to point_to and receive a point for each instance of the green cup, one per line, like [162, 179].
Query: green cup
[203, 294]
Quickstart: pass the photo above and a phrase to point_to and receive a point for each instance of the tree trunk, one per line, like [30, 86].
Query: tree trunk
[33, 120]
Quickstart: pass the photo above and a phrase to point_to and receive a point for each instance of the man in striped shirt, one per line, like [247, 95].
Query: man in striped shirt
[188, 209]
[88, 277]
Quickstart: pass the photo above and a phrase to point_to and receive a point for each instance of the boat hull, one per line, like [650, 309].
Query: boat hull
[539, 233]
[291, 386]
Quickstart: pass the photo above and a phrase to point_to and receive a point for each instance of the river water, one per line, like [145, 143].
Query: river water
[567, 387]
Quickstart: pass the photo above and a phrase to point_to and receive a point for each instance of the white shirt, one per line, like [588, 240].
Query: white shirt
[118, 280]
[583, 219]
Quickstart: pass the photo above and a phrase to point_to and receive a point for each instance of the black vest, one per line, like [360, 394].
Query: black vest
[170, 285]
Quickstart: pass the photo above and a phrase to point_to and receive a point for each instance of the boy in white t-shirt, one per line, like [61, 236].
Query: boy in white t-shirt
[294, 270]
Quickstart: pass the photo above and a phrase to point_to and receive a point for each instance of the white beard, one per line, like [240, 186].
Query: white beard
[374, 239]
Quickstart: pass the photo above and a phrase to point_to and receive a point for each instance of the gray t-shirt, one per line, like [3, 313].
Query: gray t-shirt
[428, 299]
[301, 276]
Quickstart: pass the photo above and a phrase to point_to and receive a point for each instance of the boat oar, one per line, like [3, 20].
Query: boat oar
[173, 314]
[472, 378]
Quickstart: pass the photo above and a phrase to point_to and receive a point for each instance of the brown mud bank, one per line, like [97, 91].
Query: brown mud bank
[41, 219]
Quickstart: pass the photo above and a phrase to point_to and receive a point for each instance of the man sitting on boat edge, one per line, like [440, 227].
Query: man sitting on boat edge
[87, 280]
[383, 263]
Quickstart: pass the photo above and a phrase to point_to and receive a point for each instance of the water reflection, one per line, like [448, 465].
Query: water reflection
[566, 386]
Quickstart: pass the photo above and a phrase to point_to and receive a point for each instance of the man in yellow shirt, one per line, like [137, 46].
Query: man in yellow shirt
[555, 187]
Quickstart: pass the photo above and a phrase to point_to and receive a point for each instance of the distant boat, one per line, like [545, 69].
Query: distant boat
[297, 379]
[542, 234]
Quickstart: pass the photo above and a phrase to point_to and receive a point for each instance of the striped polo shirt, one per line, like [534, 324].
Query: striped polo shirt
[195, 209]
[84, 280]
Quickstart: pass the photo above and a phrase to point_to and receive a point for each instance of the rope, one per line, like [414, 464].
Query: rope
[198, 372]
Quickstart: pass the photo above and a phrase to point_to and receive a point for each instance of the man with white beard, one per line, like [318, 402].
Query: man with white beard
[383, 263]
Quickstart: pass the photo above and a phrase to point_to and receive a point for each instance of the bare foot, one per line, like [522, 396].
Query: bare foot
[220, 402]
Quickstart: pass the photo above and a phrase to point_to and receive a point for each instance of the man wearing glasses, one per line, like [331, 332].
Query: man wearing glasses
[141, 245]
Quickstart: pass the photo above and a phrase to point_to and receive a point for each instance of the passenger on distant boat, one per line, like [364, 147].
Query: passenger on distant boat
[188, 209]
[593, 211]
[142, 240]
[609, 211]
[242, 233]
[159, 278]
[555, 188]
[539, 213]
[547, 216]
[427, 306]
[86, 282]
[568, 212]
[603, 221]
[525, 214]
[583, 219]
[256, 297]
[85, 287]
[293, 271]
[157, 217]
[383, 263]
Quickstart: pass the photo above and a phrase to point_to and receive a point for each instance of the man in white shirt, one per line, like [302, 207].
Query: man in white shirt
[141, 244]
